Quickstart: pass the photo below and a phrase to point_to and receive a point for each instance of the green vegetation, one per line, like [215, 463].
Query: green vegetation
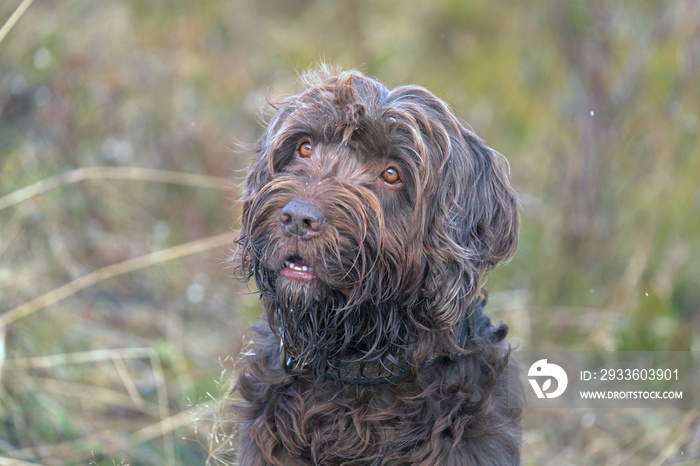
[120, 131]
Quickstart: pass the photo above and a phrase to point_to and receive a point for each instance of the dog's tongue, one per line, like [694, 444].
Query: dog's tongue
[296, 269]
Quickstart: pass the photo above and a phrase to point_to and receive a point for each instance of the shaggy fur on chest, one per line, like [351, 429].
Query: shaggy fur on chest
[463, 412]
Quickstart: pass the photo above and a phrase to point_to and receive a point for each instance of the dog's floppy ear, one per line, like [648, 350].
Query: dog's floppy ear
[473, 218]
[259, 175]
[490, 205]
[262, 167]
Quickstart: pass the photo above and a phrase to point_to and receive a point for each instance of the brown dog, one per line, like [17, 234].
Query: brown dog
[371, 220]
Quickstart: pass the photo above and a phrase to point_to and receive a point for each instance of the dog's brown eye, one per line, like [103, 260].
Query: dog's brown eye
[304, 148]
[391, 175]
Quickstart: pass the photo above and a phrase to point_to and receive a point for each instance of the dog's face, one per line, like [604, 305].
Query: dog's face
[371, 202]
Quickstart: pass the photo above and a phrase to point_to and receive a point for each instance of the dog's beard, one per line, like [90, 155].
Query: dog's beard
[322, 330]
[310, 317]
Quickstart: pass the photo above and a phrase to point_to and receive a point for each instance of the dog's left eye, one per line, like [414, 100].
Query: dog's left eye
[391, 175]
[304, 148]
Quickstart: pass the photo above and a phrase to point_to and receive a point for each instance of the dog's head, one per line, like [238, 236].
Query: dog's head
[361, 196]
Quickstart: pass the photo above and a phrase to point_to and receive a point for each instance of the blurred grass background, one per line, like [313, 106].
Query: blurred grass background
[120, 123]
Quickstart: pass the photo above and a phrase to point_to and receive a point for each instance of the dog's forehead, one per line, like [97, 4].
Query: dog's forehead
[331, 159]
[370, 135]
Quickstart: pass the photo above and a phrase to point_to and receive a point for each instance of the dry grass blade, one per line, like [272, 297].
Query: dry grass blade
[159, 429]
[114, 270]
[14, 462]
[83, 357]
[129, 383]
[681, 434]
[98, 395]
[221, 447]
[12, 228]
[219, 425]
[12, 20]
[113, 173]
[54, 453]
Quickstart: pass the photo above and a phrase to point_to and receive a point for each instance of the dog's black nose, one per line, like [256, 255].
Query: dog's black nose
[302, 219]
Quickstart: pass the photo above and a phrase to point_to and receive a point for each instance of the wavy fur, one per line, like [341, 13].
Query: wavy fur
[395, 269]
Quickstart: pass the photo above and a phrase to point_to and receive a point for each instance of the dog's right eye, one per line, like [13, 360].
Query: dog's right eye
[304, 148]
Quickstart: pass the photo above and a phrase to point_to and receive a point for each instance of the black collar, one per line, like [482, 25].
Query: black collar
[377, 372]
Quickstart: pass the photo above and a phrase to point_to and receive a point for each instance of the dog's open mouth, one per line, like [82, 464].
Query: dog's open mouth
[295, 268]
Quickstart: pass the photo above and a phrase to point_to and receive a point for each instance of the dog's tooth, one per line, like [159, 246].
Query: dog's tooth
[296, 267]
